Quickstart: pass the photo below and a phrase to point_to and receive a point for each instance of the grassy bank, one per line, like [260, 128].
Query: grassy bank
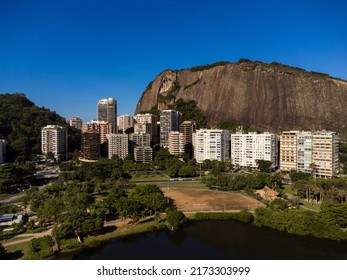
[92, 242]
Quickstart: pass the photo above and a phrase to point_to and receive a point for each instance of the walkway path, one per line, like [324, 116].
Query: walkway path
[30, 236]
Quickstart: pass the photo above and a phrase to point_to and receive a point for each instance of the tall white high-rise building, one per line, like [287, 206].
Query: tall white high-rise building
[304, 151]
[107, 112]
[54, 139]
[247, 148]
[169, 121]
[212, 144]
[118, 144]
[124, 122]
[3, 144]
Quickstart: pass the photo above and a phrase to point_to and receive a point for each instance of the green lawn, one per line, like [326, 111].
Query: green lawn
[19, 251]
[309, 206]
[288, 190]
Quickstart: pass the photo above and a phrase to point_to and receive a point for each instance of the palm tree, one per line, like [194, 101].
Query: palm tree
[313, 168]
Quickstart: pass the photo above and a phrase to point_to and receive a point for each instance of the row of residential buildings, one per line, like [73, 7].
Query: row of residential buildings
[309, 152]
[305, 151]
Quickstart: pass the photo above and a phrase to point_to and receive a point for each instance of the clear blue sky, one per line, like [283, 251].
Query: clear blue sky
[67, 54]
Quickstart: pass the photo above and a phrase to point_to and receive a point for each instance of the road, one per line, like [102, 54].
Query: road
[42, 172]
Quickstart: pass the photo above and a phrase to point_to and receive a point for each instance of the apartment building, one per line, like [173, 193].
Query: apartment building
[169, 121]
[212, 144]
[247, 148]
[124, 122]
[176, 143]
[76, 122]
[187, 128]
[143, 154]
[107, 112]
[102, 127]
[118, 144]
[54, 139]
[288, 150]
[140, 140]
[90, 145]
[144, 127]
[325, 153]
[149, 119]
[316, 152]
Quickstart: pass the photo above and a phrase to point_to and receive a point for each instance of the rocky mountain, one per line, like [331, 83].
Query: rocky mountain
[270, 97]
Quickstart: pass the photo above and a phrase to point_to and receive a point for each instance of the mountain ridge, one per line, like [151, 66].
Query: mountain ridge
[271, 97]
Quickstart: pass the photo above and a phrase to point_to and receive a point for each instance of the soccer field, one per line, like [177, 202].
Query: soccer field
[193, 199]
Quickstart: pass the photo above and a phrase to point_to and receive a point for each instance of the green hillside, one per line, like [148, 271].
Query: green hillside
[21, 122]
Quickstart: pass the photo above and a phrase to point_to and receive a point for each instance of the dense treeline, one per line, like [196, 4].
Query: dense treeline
[244, 182]
[301, 222]
[21, 122]
[242, 216]
[319, 190]
[15, 176]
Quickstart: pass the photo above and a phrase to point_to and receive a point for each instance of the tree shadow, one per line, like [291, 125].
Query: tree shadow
[12, 255]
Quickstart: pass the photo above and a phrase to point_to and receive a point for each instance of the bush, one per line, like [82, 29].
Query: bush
[66, 244]
[41, 248]
[176, 219]
[242, 216]
[2, 250]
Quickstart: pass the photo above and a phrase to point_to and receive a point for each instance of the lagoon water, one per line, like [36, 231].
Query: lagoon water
[218, 240]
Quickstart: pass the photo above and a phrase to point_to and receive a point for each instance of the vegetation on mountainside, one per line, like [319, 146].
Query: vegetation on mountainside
[233, 127]
[21, 122]
[188, 109]
[189, 112]
[209, 66]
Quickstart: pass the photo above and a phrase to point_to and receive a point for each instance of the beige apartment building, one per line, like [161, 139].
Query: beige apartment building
[316, 152]
[176, 143]
[288, 150]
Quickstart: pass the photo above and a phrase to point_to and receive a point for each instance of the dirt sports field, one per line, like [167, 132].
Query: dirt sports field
[189, 199]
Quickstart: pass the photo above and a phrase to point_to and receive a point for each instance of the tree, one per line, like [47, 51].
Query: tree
[52, 210]
[313, 168]
[176, 219]
[264, 165]
[187, 171]
[298, 175]
[279, 203]
[335, 212]
[41, 248]
[2, 250]
[49, 156]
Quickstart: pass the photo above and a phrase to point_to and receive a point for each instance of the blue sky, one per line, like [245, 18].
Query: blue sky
[67, 54]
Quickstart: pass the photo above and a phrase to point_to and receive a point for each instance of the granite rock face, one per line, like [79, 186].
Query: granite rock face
[271, 97]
